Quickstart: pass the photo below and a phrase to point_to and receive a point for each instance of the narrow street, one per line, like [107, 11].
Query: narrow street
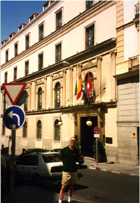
[94, 186]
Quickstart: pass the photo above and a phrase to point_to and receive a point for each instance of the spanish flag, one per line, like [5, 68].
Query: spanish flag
[80, 86]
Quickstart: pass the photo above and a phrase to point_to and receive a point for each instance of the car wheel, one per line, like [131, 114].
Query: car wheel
[36, 180]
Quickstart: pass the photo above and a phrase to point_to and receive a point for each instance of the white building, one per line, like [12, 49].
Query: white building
[49, 53]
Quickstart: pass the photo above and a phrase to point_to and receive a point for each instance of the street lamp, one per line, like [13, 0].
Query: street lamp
[89, 122]
[60, 122]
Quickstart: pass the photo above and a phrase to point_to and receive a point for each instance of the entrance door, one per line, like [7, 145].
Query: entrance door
[87, 138]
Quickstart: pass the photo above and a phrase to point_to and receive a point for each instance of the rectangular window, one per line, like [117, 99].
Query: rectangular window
[16, 49]
[41, 32]
[58, 19]
[58, 53]
[7, 56]
[40, 59]
[5, 77]
[15, 73]
[26, 68]
[89, 4]
[90, 36]
[27, 42]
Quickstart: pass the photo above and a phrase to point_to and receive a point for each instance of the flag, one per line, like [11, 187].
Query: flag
[89, 86]
[79, 90]
[83, 94]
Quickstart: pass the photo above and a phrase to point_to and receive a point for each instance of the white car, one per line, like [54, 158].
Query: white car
[40, 166]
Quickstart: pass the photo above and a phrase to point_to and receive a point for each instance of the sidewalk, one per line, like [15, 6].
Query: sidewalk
[111, 167]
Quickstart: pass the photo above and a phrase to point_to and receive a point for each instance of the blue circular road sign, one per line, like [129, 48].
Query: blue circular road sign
[14, 115]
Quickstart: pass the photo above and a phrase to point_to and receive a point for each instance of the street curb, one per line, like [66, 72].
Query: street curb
[109, 171]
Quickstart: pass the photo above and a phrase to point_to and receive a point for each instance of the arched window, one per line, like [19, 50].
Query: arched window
[57, 95]
[26, 103]
[56, 131]
[39, 130]
[91, 93]
[40, 98]
[25, 129]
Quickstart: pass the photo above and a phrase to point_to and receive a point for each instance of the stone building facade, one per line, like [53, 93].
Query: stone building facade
[49, 54]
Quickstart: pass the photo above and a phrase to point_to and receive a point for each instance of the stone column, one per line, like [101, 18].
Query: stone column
[29, 96]
[99, 79]
[70, 88]
[49, 92]
[45, 93]
[64, 89]
[113, 72]
[33, 96]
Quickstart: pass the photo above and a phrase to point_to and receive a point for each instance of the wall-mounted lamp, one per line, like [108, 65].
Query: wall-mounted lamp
[89, 122]
[60, 122]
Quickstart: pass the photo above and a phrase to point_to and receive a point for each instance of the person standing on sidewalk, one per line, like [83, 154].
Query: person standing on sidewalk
[69, 174]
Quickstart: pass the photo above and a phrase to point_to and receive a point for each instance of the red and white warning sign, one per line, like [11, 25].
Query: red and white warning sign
[14, 90]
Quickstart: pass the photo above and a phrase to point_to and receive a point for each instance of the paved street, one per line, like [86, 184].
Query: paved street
[95, 186]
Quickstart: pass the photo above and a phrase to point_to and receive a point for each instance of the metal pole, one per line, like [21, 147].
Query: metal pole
[97, 151]
[12, 166]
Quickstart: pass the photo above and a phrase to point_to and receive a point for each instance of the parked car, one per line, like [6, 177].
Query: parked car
[80, 159]
[31, 150]
[40, 166]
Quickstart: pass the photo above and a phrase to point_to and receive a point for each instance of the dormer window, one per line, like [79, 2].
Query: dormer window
[32, 17]
[45, 6]
[12, 34]
[22, 26]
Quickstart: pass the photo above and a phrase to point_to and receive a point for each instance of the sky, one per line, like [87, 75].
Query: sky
[14, 13]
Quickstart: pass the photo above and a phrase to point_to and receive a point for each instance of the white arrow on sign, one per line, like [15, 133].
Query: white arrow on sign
[11, 114]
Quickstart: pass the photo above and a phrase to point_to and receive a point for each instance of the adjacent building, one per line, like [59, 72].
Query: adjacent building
[66, 40]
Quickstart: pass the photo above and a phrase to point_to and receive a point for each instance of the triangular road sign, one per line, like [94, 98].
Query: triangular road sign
[14, 90]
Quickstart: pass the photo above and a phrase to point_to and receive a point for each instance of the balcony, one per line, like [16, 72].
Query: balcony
[133, 63]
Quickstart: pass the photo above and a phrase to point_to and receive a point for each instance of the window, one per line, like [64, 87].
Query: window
[26, 103]
[25, 129]
[27, 42]
[57, 95]
[15, 73]
[91, 93]
[5, 77]
[41, 32]
[89, 4]
[40, 98]
[26, 68]
[7, 56]
[3, 129]
[4, 103]
[40, 64]
[58, 19]
[58, 53]
[16, 49]
[39, 129]
[90, 36]
[56, 131]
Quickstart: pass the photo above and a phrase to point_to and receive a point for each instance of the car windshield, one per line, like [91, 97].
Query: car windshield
[51, 158]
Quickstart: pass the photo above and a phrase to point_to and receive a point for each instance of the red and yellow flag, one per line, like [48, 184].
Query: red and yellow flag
[80, 86]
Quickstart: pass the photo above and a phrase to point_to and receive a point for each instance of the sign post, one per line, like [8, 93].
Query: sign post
[96, 131]
[13, 118]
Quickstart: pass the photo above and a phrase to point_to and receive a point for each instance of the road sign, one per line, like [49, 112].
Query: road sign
[20, 100]
[96, 135]
[96, 130]
[14, 115]
[134, 135]
[14, 90]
